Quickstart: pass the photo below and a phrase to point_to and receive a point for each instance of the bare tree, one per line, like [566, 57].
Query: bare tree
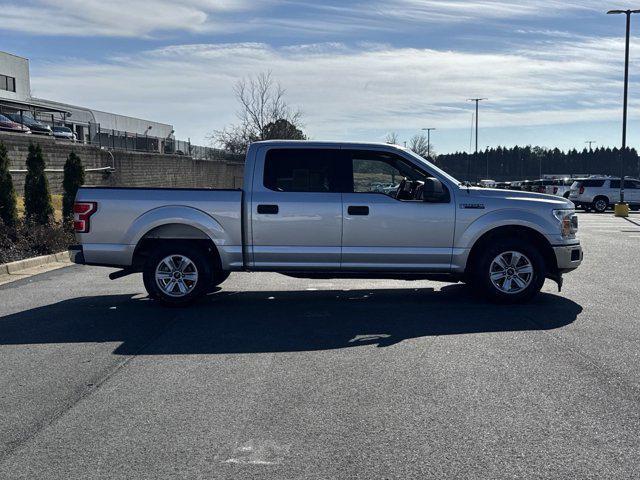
[392, 138]
[262, 106]
[420, 145]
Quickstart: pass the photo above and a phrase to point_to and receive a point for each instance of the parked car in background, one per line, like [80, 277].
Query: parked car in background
[560, 187]
[34, 125]
[600, 193]
[503, 185]
[63, 133]
[540, 186]
[526, 185]
[487, 183]
[9, 125]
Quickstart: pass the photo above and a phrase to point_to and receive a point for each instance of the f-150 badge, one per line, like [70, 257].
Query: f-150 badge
[472, 206]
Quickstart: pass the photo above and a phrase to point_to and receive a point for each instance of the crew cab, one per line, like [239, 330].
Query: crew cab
[316, 210]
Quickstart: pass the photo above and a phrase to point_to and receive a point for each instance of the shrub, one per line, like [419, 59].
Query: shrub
[73, 179]
[8, 208]
[37, 200]
[27, 239]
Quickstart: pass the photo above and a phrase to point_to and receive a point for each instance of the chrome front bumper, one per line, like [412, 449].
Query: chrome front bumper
[568, 257]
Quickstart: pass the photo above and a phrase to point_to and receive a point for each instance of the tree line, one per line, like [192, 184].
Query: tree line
[519, 163]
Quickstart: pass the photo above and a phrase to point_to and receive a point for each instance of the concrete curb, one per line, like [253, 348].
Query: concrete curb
[16, 267]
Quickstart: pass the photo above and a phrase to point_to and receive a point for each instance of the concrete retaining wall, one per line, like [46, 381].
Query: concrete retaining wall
[132, 169]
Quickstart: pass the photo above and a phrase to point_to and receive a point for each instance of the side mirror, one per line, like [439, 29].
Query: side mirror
[434, 191]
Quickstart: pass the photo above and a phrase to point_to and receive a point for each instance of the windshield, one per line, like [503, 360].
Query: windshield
[25, 120]
[430, 166]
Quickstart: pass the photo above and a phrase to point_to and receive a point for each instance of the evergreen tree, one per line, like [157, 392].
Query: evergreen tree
[73, 179]
[8, 208]
[37, 200]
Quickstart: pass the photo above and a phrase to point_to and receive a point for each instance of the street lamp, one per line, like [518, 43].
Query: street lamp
[628, 13]
[428, 130]
[477, 100]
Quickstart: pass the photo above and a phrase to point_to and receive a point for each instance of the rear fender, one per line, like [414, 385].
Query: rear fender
[181, 215]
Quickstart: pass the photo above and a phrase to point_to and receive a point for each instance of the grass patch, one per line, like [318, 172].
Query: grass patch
[56, 201]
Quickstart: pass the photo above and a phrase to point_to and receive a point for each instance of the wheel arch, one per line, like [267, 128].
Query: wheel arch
[177, 224]
[524, 233]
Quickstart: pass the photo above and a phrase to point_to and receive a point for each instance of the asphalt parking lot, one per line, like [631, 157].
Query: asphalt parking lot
[274, 377]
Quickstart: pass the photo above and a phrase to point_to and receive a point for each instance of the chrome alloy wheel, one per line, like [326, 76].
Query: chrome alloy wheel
[601, 205]
[511, 272]
[176, 275]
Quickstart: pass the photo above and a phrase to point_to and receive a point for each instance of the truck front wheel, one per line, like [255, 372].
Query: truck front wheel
[509, 271]
[177, 274]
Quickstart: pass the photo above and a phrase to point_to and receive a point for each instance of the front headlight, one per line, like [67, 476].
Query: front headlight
[568, 222]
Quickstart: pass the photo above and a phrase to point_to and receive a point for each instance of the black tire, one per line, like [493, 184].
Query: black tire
[484, 261]
[600, 204]
[217, 277]
[194, 289]
[566, 195]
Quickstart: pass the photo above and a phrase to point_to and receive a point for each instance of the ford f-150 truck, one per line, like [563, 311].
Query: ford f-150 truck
[316, 210]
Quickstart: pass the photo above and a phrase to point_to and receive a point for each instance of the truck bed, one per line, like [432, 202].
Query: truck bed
[124, 215]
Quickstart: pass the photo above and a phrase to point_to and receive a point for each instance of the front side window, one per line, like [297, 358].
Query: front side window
[301, 170]
[628, 184]
[388, 174]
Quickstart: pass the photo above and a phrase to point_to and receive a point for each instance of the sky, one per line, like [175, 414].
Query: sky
[551, 70]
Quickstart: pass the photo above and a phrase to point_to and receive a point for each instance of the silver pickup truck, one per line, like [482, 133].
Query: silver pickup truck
[330, 210]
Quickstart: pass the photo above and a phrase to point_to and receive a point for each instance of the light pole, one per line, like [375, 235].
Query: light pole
[487, 152]
[428, 130]
[590, 143]
[477, 100]
[628, 13]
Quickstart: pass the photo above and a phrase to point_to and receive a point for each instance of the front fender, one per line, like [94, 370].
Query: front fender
[183, 215]
[469, 233]
[546, 225]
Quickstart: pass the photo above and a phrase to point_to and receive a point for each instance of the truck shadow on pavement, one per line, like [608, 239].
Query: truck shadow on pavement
[278, 321]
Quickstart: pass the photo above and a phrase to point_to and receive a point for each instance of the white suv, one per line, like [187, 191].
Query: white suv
[600, 193]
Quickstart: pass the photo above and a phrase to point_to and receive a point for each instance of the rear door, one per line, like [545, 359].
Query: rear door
[296, 209]
[384, 231]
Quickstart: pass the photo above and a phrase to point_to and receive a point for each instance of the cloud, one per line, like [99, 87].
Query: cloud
[351, 91]
[121, 18]
[135, 18]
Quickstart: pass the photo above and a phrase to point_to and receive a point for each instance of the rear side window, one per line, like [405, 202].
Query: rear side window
[592, 183]
[628, 184]
[301, 170]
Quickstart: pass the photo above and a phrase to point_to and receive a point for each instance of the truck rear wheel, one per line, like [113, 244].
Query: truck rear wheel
[177, 274]
[509, 271]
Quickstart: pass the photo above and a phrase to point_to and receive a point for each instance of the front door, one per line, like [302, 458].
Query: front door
[386, 224]
[296, 210]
